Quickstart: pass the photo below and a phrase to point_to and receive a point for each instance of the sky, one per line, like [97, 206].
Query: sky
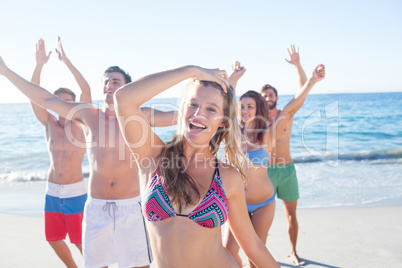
[359, 42]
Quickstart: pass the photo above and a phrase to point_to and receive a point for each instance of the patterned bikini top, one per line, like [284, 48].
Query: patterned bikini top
[212, 211]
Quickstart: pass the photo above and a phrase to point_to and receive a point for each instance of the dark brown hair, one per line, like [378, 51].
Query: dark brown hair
[117, 69]
[266, 87]
[261, 116]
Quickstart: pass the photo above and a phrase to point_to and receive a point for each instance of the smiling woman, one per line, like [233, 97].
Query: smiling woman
[203, 110]
[186, 181]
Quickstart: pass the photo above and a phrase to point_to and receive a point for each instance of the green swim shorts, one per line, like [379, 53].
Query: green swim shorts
[284, 179]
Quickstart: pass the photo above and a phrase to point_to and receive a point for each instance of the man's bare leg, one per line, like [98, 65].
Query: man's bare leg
[293, 229]
[79, 246]
[62, 250]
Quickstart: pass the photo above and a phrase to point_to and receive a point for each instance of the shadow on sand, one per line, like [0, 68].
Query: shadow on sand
[309, 263]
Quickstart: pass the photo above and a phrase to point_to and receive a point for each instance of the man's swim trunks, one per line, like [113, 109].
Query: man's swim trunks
[114, 231]
[284, 180]
[64, 207]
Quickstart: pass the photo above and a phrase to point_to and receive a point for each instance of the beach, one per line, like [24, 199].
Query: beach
[328, 237]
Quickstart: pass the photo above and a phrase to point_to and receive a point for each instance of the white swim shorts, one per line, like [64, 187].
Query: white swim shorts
[114, 231]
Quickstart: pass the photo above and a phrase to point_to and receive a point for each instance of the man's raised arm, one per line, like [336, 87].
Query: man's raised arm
[41, 59]
[85, 89]
[295, 60]
[293, 106]
[39, 95]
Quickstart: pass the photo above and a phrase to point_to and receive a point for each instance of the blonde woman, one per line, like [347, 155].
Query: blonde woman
[187, 193]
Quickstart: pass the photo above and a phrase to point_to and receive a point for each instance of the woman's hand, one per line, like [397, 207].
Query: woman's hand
[214, 75]
[238, 71]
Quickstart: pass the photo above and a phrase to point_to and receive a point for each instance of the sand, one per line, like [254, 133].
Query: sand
[335, 237]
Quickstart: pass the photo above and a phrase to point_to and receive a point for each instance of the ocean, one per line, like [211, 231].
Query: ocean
[347, 150]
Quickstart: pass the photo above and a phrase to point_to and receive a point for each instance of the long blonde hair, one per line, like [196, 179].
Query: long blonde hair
[180, 185]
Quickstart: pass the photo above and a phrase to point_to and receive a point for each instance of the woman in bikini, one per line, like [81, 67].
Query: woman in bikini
[260, 194]
[187, 193]
[258, 139]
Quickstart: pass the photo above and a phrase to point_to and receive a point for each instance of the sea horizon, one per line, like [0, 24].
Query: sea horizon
[237, 96]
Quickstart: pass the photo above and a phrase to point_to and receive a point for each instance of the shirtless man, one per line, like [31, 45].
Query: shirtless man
[281, 169]
[65, 191]
[113, 225]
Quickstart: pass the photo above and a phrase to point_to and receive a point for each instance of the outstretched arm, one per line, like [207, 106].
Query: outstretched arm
[128, 99]
[85, 89]
[238, 71]
[42, 97]
[41, 59]
[295, 60]
[278, 127]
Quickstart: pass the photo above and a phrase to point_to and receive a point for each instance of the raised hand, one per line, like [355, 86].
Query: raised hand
[214, 75]
[60, 51]
[294, 55]
[319, 73]
[238, 71]
[41, 57]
